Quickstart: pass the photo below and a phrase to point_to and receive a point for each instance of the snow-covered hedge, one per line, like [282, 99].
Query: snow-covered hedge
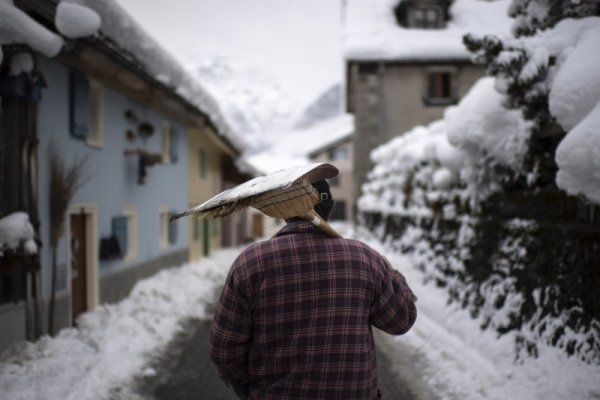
[553, 77]
[451, 163]
[429, 193]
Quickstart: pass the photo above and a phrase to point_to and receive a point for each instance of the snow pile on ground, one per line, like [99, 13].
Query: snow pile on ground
[460, 361]
[111, 344]
[372, 32]
[443, 161]
[16, 231]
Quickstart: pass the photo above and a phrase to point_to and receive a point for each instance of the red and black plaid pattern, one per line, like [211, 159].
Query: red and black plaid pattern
[294, 319]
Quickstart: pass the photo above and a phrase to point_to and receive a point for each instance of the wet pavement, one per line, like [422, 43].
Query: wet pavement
[185, 372]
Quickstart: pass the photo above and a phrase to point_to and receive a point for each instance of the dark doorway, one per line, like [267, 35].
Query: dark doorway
[78, 265]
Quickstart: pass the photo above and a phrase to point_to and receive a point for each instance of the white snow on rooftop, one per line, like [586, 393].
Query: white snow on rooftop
[371, 31]
[123, 30]
[292, 148]
[16, 27]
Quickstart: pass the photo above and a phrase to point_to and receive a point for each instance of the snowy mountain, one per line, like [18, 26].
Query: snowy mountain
[251, 99]
[327, 105]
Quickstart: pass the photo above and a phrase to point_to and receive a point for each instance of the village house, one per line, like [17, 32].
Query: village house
[405, 63]
[106, 114]
[336, 146]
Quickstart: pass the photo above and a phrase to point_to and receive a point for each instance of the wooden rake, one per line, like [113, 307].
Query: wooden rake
[274, 195]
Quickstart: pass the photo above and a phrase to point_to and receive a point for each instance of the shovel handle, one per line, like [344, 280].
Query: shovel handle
[320, 223]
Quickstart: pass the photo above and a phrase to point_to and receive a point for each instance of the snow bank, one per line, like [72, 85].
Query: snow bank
[460, 361]
[16, 231]
[372, 32]
[112, 344]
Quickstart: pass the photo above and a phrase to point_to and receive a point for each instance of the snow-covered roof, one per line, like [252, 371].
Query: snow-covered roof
[137, 45]
[371, 31]
[121, 28]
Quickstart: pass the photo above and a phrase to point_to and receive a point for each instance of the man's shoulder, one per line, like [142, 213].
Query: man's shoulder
[251, 253]
[359, 245]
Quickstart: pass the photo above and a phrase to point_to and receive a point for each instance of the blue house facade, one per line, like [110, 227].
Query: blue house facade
[124, 214]
[91, 129]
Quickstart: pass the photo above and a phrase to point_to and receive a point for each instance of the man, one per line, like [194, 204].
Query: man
[294, 318]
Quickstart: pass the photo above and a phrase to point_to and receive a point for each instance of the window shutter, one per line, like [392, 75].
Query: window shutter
[79, 105]
[119, 230]
[173, 230]
[174, 137]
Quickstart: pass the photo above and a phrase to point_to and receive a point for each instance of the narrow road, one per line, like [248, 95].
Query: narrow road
[185, 372]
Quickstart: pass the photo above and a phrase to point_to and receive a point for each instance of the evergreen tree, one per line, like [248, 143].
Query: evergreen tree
[522, 71]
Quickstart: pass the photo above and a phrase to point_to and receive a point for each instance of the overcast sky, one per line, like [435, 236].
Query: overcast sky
[297, 41]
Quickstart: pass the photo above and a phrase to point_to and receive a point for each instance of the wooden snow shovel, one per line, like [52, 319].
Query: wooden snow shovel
[283, 194]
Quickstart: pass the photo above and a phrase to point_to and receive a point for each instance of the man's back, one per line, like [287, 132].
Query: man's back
[294, 320]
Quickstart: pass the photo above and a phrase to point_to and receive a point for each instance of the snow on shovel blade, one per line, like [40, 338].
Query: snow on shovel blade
[244, 195]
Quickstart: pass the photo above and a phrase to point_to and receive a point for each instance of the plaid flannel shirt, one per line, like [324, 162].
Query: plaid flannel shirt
[294, 318]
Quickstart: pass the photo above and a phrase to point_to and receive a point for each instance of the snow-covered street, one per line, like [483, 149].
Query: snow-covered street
[153, 345]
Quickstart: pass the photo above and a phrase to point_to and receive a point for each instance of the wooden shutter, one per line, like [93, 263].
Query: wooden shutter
[174, 138]
[79, 105]
[173, 230]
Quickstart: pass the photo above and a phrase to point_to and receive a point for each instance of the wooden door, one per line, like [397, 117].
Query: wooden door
[78, 265]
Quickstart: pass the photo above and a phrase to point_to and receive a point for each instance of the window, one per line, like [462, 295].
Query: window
[169, 140]
[168, 229]
[124, 230]
[165, 143]
[196, 228]
[338, 153]
[164, 227]
[425, 18]
[419, 14]
[86, 109]
[96, 128]
[202, 163]
[439, 88]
